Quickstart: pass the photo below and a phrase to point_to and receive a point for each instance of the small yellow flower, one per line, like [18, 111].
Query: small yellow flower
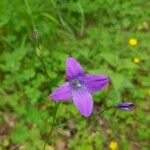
[136, 60]
[113, 145]
[133, 41]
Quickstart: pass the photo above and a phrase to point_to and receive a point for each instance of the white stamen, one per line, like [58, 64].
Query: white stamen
[78, 85]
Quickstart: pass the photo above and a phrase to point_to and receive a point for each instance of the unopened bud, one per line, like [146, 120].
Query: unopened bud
[125, 106]
[38, 52]
[36, 36]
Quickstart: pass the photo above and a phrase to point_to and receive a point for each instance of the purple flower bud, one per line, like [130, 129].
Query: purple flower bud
[125, 106]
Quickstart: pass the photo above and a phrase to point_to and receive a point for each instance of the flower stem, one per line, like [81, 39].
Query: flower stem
[43, 64]
[94, 115]
[53, 124]
[29, 12]
[100, 112]
[41, 59]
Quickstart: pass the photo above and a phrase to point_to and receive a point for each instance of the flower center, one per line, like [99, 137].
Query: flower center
[76, 83]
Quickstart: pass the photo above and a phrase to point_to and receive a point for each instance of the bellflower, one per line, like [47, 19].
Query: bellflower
[125, 106]
[79, 87]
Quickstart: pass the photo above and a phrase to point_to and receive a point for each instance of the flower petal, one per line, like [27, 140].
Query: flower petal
[63, 93]
[73, 69]
[83, 101]
[95, 83]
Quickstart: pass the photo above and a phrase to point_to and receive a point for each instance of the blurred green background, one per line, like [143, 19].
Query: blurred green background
[110, 37]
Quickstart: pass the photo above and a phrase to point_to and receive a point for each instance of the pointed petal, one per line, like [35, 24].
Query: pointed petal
[95, 83]
[83, 101]
[73, 69]
[63, 93]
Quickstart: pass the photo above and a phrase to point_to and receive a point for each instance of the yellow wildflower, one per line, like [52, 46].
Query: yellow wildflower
[136, 60]
[113, 145]
[133, 41]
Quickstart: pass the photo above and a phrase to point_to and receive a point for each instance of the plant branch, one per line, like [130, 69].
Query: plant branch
[94, 115]
[53, 124]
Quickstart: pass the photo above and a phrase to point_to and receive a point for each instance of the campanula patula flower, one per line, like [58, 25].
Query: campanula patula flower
[79, 87]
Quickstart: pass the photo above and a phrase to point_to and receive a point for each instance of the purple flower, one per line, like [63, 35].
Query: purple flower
[125, 106]
[79, 87]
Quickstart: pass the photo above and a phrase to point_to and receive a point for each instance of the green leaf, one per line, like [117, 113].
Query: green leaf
[110, 58]
[117, 81]
[20, 133]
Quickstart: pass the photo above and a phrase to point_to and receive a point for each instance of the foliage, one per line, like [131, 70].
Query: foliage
[97, 34]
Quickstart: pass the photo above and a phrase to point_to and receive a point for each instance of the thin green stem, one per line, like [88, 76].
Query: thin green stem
[37, 37]
[82, 17]
[53, 124]
[41, 59]
[62, 21]
[29, 13]
[94, 115]
[106, 108]
[44, 66]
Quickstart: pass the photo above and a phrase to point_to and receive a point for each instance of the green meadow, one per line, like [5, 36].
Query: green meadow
[107, 37]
